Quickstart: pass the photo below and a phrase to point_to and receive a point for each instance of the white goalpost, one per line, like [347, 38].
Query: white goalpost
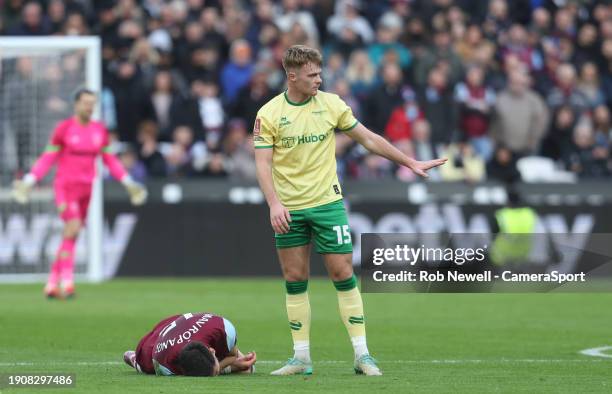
[38, 77]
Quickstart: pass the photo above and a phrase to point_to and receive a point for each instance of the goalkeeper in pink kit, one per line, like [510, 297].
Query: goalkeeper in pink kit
[75, 145]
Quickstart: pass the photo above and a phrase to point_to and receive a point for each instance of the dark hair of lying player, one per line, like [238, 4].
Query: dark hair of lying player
[197, 360]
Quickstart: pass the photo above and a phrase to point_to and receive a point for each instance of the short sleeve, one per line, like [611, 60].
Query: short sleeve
[263, 133]
[160, 370]
[230, 334]
[346, 120]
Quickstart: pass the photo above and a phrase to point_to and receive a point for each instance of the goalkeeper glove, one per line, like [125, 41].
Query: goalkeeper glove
[22, 188]
[138, 193]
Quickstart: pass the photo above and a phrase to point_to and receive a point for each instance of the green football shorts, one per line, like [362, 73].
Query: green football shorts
[329, 225]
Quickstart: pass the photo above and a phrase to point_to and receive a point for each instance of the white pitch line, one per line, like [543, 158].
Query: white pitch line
[597, 352]
[467, 361]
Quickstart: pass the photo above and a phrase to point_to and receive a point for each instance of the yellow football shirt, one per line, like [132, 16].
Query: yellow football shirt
[304, 144]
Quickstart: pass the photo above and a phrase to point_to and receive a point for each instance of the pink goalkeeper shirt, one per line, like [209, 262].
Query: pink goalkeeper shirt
[75, 147]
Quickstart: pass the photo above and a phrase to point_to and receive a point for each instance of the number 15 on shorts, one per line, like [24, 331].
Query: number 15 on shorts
[343, 233]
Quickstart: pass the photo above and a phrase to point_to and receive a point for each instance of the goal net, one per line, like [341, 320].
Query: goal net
[38, 77]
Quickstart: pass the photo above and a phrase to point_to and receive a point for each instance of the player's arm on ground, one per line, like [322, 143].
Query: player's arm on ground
[380, 146]
[238, 362]
[138, 193]
[22, 187]
[263, 140]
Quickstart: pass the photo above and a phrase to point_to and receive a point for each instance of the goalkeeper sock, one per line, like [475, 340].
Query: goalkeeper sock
[351, 312]
[65, 257]
[298, 312]
[53, 279]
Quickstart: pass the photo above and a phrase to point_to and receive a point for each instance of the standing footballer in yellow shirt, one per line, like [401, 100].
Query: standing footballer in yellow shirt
[296, 169]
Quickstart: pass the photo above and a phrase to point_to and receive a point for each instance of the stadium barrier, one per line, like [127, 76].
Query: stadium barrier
[212, 228]
[221, 228]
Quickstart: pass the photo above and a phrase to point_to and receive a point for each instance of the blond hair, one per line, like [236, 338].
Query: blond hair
[298, 55]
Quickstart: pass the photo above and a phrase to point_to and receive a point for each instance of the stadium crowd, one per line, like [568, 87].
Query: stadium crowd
[483, 82]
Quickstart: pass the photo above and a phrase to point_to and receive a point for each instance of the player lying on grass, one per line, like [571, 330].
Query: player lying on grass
[75, 144]
[192, 344]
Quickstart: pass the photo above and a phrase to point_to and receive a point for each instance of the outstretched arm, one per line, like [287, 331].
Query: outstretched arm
[138, 193]
[22, 187]
[45, 161]
[380, 146]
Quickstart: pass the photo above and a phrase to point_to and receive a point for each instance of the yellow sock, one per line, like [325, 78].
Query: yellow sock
[351, 312]
[298, 312]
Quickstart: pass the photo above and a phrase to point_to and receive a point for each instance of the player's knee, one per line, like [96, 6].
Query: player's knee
[341, 273]
[295, 276]
[72, 228]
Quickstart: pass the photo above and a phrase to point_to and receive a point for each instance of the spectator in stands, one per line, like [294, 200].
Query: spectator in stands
[290, 15]
[520, 116]
[385, 97]
[589, 85]
[57, 15]
[602, 123]
[253, 96]
[190, 40]
[517, 44]
[10, 15]
[347, 26]
[540, 21]
[387, 35]
[58, 99]
[333, 70]
[420, 148]
[606, 70]
[565, 24]
[558, 143]
[238, 71]
[132, 165]
[185, 156]
[149, 153]
[21, 127]
[441, 53]
[402, 119]
[33, 22]
[497, 20]
[463, 163]
[133, 104]
[502, 166]
[361, 74]
[203, 64]
[473, 43]
[146, 58]
[439, 106]
[588, 159]
[210, 111]
[342, 89]
[75, 25]
[587, 45]
[476, 103]
[239, 151]
[167, 103]
[566, 92]
[263, 15]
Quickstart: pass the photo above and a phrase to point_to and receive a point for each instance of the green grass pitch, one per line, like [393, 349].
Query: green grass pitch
[425, 342]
